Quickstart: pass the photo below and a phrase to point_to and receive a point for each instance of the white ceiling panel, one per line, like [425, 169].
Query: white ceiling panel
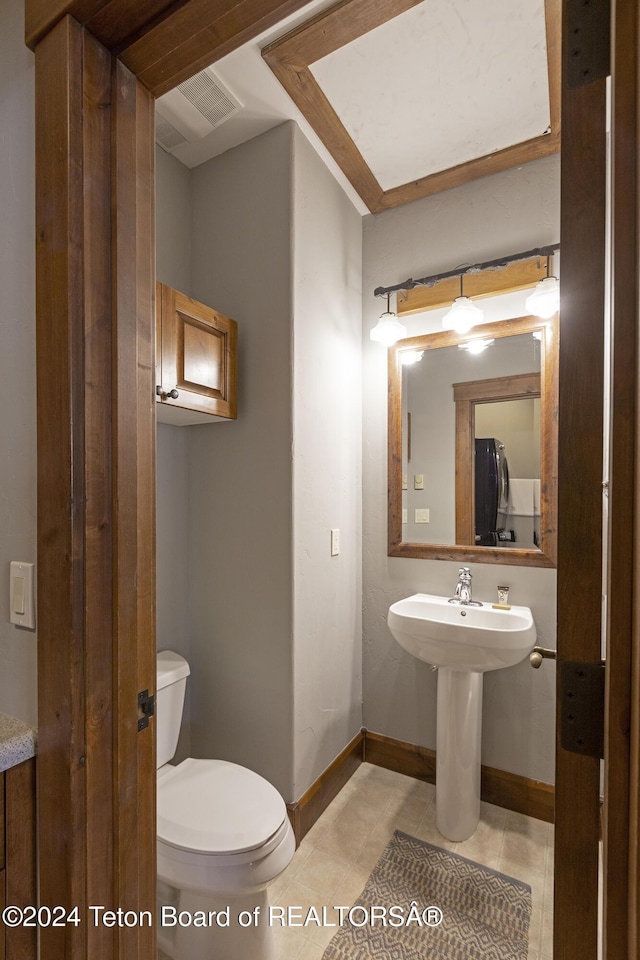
[444, 83]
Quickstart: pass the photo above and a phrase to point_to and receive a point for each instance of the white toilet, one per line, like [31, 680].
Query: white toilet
[223, 835]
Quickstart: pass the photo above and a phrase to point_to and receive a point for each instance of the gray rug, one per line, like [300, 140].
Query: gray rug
[485, 915]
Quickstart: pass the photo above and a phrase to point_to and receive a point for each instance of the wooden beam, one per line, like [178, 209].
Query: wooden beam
[162, 42]
[621, 772]
[196, 34]
[41, 16]
[291, 58]
[61, 495]
[519, 275]
[580, 442]
[134, 466]
[96, 643]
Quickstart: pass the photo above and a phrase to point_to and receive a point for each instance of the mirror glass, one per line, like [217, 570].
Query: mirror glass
[472, 446]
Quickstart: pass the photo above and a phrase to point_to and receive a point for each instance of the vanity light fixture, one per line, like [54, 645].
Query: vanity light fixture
[463, 314]
[388, 330]
[475, 346]
[408, 357]
[545, 299]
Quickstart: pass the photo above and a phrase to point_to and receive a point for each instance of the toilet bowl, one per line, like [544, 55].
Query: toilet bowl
[223, 835]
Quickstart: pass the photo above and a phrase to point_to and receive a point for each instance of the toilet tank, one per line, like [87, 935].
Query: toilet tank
[171, 685]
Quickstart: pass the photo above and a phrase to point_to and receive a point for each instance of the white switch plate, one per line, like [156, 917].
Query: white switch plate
[22, 604]
[404, 481]
[335, 543]
[418, 481]
[422, 515]
[404, 515]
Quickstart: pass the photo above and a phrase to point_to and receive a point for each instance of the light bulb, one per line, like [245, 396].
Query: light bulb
[462, 316]
[407, 357]
[476, 346]
[545, 299]
[388, 330]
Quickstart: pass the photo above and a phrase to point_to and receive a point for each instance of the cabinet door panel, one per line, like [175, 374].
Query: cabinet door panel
[202, 358]
[198, 349]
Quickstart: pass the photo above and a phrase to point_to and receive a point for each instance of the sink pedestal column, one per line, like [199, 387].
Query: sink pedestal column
[459, 731]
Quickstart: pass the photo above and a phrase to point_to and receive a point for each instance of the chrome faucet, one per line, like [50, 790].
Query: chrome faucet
[463, 589]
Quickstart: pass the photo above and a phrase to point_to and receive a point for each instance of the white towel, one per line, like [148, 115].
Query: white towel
[521, 497]
[536, 498]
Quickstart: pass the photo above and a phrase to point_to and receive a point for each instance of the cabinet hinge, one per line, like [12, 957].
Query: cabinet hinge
[147, 706]
[582, 708]
[588, 42]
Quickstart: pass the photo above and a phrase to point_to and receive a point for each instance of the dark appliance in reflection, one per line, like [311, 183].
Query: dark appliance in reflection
[491, 493]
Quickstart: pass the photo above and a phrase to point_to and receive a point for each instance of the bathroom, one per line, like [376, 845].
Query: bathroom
[297, 658]
[282, 677]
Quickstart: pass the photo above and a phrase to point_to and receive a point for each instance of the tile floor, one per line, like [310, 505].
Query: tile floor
[334, 860]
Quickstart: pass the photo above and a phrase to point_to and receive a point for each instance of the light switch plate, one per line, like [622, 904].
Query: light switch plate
[335, 543]
[422, 515]
[22, 604]
[418, 481]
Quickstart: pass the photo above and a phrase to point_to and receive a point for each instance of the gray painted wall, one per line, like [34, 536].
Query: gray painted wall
[173, 222]
[272, 621]
[327, 481]
[507, 213]
[173, 266]
[240, 485]
[18, 686]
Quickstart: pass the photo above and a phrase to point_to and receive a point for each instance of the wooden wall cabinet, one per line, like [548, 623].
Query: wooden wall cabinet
[196, 360]
[18, 886]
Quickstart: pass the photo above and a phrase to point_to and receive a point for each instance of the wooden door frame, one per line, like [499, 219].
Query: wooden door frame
[95, 277]
[621, 810]
[580, 433]
[99, 64]
[583, 311]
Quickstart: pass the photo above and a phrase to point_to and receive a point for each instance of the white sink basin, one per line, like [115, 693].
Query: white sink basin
[460, 637]
[464, 642]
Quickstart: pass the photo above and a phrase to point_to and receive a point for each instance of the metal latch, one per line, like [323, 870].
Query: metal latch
[582, 708]
[146, 704]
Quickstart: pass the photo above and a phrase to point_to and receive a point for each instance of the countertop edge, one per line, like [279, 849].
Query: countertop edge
[18, 742]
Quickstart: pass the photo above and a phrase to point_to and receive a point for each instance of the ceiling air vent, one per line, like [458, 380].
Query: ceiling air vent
[196, 107]
[166, 134]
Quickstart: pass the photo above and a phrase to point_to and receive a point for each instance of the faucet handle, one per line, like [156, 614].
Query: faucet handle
[464, 573]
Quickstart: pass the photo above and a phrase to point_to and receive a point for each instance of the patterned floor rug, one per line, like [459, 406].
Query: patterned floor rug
[423, 902]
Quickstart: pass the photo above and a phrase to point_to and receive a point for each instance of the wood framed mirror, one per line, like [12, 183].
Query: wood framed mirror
[472, 444]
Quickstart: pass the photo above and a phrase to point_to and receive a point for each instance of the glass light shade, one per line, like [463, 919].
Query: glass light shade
[476, 346]
[388, 330]
[462, 316]
[545, 299]
[408, 357]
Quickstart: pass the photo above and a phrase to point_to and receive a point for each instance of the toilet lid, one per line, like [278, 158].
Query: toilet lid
[211, 806]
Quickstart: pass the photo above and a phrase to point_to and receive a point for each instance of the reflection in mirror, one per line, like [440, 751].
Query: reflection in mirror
[472, 445]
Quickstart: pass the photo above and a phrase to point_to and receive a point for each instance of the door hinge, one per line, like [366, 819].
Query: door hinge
[588, 42]
[147, 706]
[582, 708]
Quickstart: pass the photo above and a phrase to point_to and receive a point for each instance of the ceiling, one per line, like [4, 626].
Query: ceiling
[402, 99]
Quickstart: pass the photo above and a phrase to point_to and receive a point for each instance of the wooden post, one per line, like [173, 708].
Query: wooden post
[94, 181]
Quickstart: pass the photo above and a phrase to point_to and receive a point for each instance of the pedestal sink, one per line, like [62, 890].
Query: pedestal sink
[463, 641]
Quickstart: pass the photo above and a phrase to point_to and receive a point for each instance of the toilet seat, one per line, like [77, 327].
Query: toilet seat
[218, 809]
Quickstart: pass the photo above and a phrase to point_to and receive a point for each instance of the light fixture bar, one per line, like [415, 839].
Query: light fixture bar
[497, 264]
